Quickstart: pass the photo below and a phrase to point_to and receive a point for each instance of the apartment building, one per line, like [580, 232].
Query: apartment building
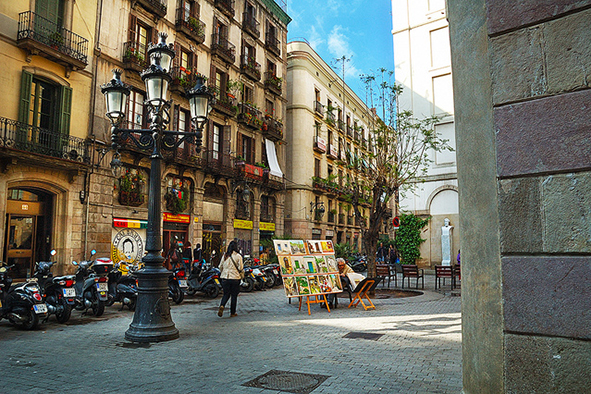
[56, 178]
[328, 135]
[423, 68]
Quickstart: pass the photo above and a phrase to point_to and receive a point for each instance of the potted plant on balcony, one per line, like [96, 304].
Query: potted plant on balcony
[177, 200]
[57, 40]
[130, 185]
[239, 161]
[195, 26]
[233, 88]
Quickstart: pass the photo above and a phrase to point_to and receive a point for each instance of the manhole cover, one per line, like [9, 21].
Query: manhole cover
[292, 382]
[363, 335]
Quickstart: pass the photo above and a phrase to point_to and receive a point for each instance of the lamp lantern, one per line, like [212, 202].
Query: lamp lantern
[199, 101]
[116, 94]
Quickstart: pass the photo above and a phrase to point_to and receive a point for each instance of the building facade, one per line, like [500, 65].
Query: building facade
[328, 132]
[232, 188]
[423, 68]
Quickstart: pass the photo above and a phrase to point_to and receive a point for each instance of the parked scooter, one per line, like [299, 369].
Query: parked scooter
[58, 292]
[122, 288]
[177, 283]
[359, 264]
[204, 278]
[92, 284]
[21, 304]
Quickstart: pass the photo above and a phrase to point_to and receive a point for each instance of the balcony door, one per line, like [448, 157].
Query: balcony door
[51, 10]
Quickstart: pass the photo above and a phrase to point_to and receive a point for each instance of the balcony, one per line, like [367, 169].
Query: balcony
[156, 7]
[331, 217]
[23, 137]
[272, 129]
[341, 218]
[226, 6]
[191, 26]
[319, 144]
[250, 67]
[349, 131]
[223, 103]
[251, 172]
[218, 163]
[272, 44]
[134, 56]
[349, 220]
[341, 125]
[273, 182]
[332, 152]
[249, 116]
[185, 155]
[39, 35]
[222, 48]
[273, 83]
[319, 108]
[330, 119]
[250, 25]
[182, 79]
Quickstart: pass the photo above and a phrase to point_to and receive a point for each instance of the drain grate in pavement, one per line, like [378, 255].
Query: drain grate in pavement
[291, 382]
[363, 335]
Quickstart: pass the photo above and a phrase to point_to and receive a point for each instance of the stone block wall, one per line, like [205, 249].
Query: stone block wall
[522, 79]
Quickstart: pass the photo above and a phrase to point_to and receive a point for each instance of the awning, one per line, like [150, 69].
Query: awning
[272, 158]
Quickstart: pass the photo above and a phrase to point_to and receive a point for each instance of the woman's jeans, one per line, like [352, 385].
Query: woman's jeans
[231, 288]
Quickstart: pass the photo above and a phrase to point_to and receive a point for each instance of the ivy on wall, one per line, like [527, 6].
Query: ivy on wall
[408, 238]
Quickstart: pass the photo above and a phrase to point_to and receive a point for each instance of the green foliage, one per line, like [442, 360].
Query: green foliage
[175, 204]
[408, 237]
[345, 251]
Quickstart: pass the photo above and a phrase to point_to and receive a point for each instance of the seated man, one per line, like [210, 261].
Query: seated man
[344, 269]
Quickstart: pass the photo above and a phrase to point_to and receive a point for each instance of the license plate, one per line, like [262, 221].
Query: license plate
[102, 286]
[183, 283]
[276, 272]
[40, 308]
[68, 292]
[216, 281]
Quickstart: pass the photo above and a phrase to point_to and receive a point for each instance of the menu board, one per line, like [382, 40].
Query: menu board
[308, 267]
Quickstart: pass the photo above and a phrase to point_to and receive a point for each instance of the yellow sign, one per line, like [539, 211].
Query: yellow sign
[264, 226]
[243, 224]
[170, 217]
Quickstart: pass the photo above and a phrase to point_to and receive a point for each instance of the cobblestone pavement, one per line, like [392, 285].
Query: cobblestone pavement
[419, 351]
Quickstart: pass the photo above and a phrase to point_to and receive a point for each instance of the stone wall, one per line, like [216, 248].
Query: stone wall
[522, 73]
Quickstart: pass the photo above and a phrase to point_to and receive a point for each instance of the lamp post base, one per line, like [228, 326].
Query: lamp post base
[152, 321]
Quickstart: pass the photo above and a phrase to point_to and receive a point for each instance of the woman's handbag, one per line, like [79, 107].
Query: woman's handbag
[241, 273]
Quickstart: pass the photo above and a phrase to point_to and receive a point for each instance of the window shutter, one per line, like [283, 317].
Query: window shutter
[132, 28]
[65, 107]
[176, 117]
[224, 87]
[227, 136]
[25, 102]
[176, 62]
[209, 146]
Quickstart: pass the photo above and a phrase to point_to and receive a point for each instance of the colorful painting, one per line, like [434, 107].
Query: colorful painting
[291, 289]
[314, 285]
[299, 266]
[335, 281]
[286, 266]
[322, 265]
[332, 264]
[327, 247]
[303, 285]
[282, 247]
[325, 284]
[310, 264]
[297, 247]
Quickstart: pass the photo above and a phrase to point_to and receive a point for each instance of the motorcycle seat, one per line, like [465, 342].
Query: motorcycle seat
[65, 277]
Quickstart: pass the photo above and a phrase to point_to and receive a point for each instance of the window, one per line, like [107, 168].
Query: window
[317, 167]
[317, 94]
[52, 10]
[271, 68]
[267, 209]
[246, 148]
[44, 104]
[182, 122]
[140, 34]
[269, 108]
[317, 130]
[248, 94]
[189, 9]
[135, 110]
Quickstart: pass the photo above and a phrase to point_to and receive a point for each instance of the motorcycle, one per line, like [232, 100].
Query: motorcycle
[58, 292]
[22, 304]
[177, 283]
[359, 264]
[204, 278]
[92, 284]
[247, 283]
[122, 288]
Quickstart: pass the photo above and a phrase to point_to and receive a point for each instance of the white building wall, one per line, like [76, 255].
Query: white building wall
[423, 68]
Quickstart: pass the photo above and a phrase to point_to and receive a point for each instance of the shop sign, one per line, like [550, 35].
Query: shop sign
[243, 224]
[127, 245]
[129, 223]
[316, 231]
[329, 233]
[180, 218]
[264, 226]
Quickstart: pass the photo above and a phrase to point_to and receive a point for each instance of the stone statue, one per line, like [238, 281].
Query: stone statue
[446, 246]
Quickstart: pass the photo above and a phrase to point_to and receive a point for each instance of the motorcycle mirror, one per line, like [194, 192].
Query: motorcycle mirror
[213, 253]
[53, 252]
[92, 252]
[75, 263]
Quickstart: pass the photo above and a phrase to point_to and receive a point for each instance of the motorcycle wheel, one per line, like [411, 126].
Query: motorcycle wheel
[64, 311]
[249, 285]
[270, 283]
[176, 292]
[32, 323]
[191, 291]
[98, 306]
[211, 290]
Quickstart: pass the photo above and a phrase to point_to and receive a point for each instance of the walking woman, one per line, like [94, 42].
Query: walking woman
[231, 268]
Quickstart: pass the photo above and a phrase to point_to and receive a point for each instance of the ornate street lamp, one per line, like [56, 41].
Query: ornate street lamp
[152, 321]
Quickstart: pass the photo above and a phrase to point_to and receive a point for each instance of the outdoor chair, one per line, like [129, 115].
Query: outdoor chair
[383, 271]
[412, 271]
[442, 272]
[360, 292]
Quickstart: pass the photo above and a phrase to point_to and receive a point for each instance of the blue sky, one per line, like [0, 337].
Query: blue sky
[358, 29]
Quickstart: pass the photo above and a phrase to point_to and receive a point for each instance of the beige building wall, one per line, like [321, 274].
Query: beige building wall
[314, 138]
[423, 68]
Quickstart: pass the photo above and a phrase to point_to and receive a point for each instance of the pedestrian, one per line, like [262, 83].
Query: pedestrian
[197, 252]
[174, 255]
[381, 253]
[231, 272]
[392, 254]
[187, 255]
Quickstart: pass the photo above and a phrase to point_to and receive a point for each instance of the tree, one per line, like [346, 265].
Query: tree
[398, 159]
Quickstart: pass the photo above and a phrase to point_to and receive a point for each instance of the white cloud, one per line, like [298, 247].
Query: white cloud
[338, 46]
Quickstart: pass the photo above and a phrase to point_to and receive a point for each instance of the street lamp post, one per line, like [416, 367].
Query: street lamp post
[152, 321]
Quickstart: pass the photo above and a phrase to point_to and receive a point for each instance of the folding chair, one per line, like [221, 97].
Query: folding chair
[360, 291]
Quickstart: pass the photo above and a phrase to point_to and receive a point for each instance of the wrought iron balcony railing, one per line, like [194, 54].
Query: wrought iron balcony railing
[223, 48]
[157, 7]
[319, 108]
[226, 6]
[24, 137]
[190, 25]
[38, 34]
[250, 67]
[250, 24]
[273, 82]
[272, 44]
[134, 56]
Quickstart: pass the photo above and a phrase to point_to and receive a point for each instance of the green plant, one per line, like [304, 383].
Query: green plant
[261, 164]
[345, 251]
[57, 38]
[408, 237]
[234, 87]
[195, 26]
[175, 203]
